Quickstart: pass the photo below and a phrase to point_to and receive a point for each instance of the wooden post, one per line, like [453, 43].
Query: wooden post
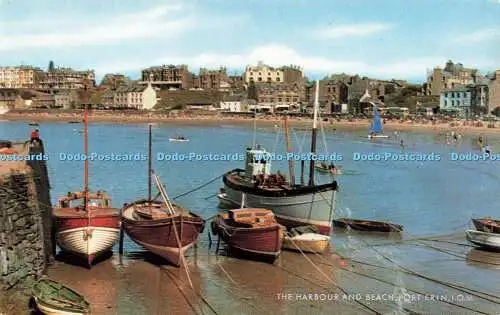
[291, 169]
[120, 249]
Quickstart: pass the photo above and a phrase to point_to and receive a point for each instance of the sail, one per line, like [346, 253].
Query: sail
[376, 122]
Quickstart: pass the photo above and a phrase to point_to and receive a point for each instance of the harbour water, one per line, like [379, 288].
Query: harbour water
[433, 200]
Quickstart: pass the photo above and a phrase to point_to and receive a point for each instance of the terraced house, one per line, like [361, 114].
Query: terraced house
[131, 97]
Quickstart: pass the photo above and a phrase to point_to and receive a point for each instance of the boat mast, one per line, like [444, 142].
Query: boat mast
[86, 149]
[313, 140]
[149, 168]
[289, 149]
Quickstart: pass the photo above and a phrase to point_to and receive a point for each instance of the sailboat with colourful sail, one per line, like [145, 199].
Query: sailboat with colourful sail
[376, 129]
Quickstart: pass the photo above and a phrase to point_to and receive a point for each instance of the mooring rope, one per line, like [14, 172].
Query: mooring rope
[198, 188]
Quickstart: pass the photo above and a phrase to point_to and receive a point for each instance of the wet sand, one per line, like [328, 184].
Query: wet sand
[139, 283]
[216, 119]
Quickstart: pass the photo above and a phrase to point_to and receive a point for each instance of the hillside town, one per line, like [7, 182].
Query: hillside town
[452, 89]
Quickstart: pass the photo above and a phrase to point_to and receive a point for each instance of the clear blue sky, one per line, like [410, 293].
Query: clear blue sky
[378, 38]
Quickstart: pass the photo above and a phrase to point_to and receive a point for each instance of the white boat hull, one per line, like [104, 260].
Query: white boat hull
[307, 242]
[483, 239]
[88, 241]
[378, 136]
[308, 209]
[177, 140]
[48, 310]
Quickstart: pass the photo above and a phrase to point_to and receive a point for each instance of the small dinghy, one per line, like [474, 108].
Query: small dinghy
[33, 123]
[225, 202]
[53, 298]
[178, 139]
[487, 225]
[74, 122]
[306, 239]
[327, 168]
[367, 225]
[486, 240]
[250, 231]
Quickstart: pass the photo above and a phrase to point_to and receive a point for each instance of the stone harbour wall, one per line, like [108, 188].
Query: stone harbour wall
[22, 257]
[25, 247]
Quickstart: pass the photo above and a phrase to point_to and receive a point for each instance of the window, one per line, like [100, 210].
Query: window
[260, 79]
[277, 79]
[452, 103]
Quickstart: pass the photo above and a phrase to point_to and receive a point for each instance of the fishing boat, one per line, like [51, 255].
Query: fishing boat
[163, 228]
[367, 225]
[33, 123]
[293, 204]
[487, 225]
[306, 239]
[486, 240]
[53, 298]
[178, 139]
[250, 231]
[86, 224]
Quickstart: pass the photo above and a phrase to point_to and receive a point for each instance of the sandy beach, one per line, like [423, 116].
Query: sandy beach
[462, 127]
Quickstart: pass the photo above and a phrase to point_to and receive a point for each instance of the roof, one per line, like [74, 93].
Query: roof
[200, 102]
[233, 98]
[131, 88]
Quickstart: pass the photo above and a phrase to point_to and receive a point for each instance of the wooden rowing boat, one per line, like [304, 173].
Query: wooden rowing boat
[163, 228]
[53, 298]
[487, 225]
[367, 225]
[253, 232]
[486, 240]
[306, 239]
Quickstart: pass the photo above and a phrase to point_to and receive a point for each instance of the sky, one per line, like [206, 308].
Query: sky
[378, 38]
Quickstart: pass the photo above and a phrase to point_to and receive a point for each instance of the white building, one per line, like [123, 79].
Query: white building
[135, 96]
[234, 103]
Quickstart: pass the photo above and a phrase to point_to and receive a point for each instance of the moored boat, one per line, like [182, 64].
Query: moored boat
[293, 204]
[178, 139]
[53, 298]
[367, 225]
[486, 240]
[33, 123]
[487, 225]
[252, 232]
[86, 224]
[327, 168]
[149, 224]
[162, 228]
[306, 239]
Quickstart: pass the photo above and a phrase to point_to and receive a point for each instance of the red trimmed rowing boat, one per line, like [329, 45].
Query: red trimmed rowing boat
[250, 231]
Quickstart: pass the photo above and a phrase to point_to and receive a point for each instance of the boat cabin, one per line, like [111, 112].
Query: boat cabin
[75, 199]
[251, 217]
[258, 161]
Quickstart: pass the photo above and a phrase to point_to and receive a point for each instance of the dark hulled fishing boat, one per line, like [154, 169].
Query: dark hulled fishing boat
[85, 223]
[249, 231]
[367, 225]
[293, 204]
[162, 228]
[487, 225]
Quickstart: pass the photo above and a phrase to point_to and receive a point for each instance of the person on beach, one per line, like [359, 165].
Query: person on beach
[402, 145]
